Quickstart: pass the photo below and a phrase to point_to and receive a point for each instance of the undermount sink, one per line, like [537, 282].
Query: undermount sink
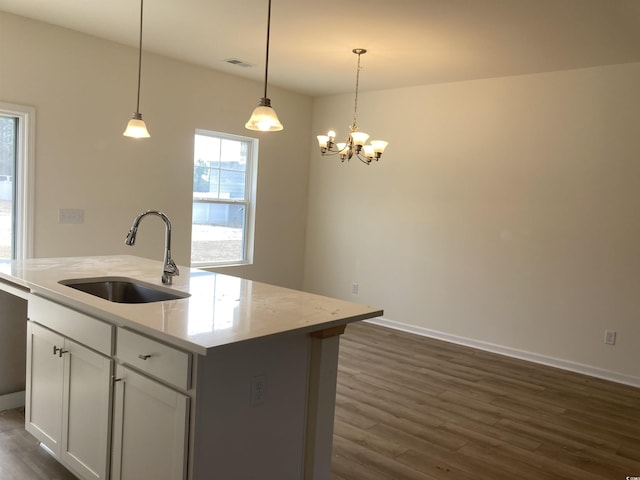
[123, 290]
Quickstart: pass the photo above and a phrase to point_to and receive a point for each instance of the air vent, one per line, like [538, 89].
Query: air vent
[239, 63]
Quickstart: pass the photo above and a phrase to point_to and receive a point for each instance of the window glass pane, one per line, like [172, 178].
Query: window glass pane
[207, 149]
[232, 184]
[206, 181]
[217, 232]
[8, 130]
[233, 155]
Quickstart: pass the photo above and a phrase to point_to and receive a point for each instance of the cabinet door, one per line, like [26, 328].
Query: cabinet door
[86, 411]
[43, 403]
[150, 429]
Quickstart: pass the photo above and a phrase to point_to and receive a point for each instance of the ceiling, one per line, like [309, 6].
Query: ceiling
[409, 42]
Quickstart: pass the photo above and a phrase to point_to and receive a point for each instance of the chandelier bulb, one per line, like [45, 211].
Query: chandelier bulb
[379, 145]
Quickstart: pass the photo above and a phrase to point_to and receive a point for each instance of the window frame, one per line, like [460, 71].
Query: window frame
[24, 176]
[249, 202]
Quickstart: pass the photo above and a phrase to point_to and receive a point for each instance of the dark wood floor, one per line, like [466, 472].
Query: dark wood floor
[414, 408]
[20, 456]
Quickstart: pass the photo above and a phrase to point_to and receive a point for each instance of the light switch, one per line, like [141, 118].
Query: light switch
[71, 215]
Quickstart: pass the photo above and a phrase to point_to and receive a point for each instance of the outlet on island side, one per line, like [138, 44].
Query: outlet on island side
[610, 337]
[258, 390]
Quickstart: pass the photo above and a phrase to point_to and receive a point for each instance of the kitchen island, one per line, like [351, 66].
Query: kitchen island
[235, 381]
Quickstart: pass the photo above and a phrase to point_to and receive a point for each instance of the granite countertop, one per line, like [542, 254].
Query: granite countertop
[220, 310]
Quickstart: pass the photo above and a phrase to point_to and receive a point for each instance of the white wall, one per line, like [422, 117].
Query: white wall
[505, 213]
[83, 89]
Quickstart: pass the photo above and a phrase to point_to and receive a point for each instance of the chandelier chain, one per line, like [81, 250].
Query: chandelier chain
[355, 104]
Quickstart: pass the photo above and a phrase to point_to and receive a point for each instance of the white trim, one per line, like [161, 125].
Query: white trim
[25, 175]
[9, 401]
[511, 352]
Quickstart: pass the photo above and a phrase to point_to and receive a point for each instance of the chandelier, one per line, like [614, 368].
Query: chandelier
[355, 144]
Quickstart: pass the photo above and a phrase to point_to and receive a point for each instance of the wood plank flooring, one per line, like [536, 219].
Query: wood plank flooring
[20, 456]
[414, 408]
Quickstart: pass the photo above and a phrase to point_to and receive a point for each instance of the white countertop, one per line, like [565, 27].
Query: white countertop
[220, 310]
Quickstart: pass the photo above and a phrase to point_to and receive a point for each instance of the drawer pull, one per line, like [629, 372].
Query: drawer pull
[143, 357]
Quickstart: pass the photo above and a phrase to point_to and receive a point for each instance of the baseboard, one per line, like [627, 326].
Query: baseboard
[11, 400]
[510, 352]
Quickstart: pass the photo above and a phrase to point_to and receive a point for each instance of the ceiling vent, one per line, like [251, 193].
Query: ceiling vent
[239, 63]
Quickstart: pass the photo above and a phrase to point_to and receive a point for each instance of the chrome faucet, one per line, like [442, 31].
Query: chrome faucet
[169, 269]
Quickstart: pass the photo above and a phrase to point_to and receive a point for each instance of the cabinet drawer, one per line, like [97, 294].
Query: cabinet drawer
[157, 359]
[82, 328]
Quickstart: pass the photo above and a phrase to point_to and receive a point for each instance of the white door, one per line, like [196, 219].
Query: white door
[43, 403]
[86, 411]
[150, 429]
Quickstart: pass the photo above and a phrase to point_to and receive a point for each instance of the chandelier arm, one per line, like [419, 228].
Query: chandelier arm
[365, 160]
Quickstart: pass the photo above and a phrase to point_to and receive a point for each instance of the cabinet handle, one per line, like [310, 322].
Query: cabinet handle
[115, 379]
[144, 357]
[59, 351]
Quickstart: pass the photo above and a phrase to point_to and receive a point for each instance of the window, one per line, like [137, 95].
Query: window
[16, 171]
[224, 187]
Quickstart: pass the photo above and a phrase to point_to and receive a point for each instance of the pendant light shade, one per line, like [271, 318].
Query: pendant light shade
[264, 118]
[136, 128]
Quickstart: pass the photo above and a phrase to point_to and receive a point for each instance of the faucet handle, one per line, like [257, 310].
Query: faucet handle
[170, 270]
[171, 267]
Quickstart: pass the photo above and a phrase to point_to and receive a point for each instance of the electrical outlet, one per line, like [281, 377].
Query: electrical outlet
[354, 289]
[258, 390]
[610, 337]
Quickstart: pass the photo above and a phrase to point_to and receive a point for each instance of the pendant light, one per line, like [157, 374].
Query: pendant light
[264, 117]
[136, 127]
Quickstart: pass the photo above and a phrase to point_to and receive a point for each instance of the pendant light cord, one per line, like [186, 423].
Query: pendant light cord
[140, 57]
[266, 63]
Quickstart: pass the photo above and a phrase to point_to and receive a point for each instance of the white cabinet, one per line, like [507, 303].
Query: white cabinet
[43, 411]
[69, 397]
[150, 429]
[68, 400]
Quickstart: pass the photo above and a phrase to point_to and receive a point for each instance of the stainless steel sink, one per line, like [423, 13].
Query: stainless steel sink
[123, 290]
